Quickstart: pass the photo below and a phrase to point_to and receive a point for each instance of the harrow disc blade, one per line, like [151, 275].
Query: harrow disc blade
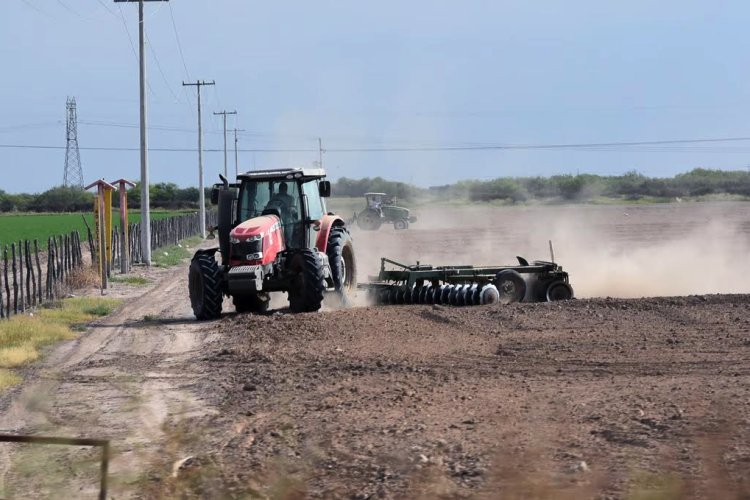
[414, 298]
[446, 294]
[489, 295]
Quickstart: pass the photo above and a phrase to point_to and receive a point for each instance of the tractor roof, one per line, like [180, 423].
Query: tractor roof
[283, 173]
[375, 194]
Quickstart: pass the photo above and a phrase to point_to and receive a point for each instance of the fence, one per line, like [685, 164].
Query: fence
[23, 285]
[26, 283]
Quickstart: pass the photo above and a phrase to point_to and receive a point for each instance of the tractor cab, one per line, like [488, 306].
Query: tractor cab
[375, 201]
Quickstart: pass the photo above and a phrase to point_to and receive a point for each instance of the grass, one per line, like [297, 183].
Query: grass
[21, 337]
[130, 280]
[30, 226]
[173, 255]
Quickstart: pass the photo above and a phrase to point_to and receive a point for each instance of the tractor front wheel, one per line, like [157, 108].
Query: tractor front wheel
[340, 251]
[204, 281]
[401, 224]
[308, 283]
[255, 303]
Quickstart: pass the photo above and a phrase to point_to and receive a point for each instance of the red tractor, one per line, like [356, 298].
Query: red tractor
[275, 235]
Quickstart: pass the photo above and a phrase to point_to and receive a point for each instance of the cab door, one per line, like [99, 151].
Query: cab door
[316, 211]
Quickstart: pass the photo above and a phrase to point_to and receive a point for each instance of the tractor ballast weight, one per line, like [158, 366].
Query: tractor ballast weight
[275, 235]
[539, 281]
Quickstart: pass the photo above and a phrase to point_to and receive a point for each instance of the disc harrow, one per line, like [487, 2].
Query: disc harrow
[459, 286]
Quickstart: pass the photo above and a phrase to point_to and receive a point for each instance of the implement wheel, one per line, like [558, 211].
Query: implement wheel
[306, 294]
[204, 282]
[511, 286]
[559, 290]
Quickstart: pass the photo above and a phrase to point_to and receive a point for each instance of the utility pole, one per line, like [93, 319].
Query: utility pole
[224, 114]
[236, 157]
[201, 195]
[145, 200]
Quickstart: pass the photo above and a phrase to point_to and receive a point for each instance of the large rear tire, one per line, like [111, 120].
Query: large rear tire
[369, 220]
[308, 285]
[204, 282]
[254, 303]
[340, 251]
[511, 286]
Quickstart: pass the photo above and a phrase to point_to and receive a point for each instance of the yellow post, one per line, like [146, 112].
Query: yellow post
[103, 218]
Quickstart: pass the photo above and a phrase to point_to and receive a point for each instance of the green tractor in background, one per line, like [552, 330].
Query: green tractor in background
[380, 209]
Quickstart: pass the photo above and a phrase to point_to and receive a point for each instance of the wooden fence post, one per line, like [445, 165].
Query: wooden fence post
[7, 284]
[38, 271]
[15, 282]
[2, 302]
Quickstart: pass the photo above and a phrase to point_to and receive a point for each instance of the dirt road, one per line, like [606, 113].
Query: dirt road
[589, 398]
[122, 380]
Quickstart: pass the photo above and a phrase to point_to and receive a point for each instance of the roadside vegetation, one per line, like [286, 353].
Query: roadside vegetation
[130, 280]
[164, 195]
[631, 187]
[22, 337]
[173, 255]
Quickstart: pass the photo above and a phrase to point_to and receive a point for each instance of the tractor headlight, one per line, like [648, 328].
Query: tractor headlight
[234, 240]
[257, 237]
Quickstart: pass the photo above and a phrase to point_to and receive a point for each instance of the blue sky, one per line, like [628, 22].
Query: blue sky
[372, 75]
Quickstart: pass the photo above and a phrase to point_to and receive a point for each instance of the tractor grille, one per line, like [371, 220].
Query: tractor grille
[243, 249]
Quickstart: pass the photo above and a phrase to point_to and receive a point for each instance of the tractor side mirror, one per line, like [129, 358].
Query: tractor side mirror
[324, 188]
[215, 196]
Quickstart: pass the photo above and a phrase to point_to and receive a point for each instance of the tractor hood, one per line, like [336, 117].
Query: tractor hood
[257, 226]
[256, 241]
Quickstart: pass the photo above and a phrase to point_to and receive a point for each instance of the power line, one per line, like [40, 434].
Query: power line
[161, 72]
[132, 45]
[179, 45]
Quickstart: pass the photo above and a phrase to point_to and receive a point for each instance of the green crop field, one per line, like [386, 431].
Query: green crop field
[15, 227]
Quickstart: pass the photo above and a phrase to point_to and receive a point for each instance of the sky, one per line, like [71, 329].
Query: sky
[428, 92]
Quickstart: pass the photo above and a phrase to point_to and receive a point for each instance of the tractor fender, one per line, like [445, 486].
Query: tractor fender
[326, 224]
[205, 251]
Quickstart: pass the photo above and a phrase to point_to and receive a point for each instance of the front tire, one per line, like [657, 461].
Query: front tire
[340, 251]
[401, 225]
[308, 284]
[204, 281]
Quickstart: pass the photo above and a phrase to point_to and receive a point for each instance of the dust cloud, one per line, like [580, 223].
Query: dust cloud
[610, 251]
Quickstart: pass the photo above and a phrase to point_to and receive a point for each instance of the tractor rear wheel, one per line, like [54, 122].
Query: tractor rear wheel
[340, 251]
[204, 282]
[511, 286]
[369, 220]
[308, 284]
[255, 303]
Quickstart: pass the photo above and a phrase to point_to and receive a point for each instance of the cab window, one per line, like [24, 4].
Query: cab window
[310, 189]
